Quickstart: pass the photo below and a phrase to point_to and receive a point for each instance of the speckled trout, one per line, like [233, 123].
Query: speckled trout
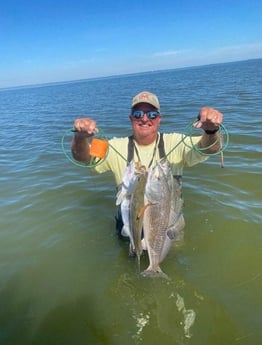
[131, 199]
[162, 216]
[137, 212]
[124, 196]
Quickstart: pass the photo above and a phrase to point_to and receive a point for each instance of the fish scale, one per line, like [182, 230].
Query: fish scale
[131, 198]
[136, 212]
[158, 197]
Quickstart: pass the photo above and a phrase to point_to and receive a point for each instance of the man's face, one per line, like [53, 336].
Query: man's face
[145, 128]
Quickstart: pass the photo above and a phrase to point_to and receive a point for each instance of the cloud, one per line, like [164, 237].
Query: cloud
[199, 56]
[245, 48]
[231, 53]
[241, 51]
[170, 53]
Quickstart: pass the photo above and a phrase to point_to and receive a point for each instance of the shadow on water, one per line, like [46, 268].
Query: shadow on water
[14, 315]
[73, 322]
[123, 308]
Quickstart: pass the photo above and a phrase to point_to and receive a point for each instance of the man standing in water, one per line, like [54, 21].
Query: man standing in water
[147, 145]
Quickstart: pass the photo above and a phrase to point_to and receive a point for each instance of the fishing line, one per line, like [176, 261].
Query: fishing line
[94, 161]
[222, 139]
[222, 133]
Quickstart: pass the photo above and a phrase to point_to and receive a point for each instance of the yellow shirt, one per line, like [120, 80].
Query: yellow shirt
[179, 153]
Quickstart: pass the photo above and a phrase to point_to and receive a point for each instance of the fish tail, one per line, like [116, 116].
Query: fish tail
[157, 273]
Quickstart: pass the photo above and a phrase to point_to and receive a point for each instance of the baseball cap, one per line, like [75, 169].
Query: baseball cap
[146, 97]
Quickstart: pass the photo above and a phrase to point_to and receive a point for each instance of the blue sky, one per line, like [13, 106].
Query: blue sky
[52, 41]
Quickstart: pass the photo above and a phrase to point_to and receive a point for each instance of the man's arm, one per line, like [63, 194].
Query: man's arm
[80, 147]
[84, 128]
[209, 121]
[213, 141]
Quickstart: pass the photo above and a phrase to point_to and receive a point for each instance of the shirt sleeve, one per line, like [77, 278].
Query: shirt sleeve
[181, 151]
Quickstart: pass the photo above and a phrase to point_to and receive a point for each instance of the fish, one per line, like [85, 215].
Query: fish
[124, 195]
[163, 217]
[131, 198]
[137, 210]
[176, 217]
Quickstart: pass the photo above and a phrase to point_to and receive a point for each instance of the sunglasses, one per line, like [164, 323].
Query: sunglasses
[138, 114]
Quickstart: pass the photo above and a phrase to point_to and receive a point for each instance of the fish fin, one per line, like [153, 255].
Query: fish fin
[119, 198]
[125, 231]
[148, 273]
[143, 244]
[165, 249]
[175, 229]
[141, 211]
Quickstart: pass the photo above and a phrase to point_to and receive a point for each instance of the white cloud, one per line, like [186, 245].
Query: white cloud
[247, 48]
[192, 57]
[170, 53]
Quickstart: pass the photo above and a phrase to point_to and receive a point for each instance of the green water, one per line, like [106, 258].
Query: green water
[65, 278]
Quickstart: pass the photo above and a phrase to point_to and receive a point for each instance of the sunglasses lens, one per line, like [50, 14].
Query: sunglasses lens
[152, 114]
[138, 114]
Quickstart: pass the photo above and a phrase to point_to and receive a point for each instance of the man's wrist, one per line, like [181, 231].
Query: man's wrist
[211, 132]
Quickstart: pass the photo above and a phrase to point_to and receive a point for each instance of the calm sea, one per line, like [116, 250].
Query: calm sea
[65, 278]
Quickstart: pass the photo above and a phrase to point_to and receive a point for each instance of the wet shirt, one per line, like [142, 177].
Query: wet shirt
[179, 153]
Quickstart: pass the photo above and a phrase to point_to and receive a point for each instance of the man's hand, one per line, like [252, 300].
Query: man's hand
[209, 119]
[86, 125]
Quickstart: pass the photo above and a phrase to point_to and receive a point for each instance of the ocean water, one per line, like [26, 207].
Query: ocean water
[65, 277]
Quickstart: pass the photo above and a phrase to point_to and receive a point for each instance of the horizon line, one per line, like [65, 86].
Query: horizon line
[53, 83]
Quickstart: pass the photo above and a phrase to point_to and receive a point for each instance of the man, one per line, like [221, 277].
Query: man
[147, 145]
[145, 118]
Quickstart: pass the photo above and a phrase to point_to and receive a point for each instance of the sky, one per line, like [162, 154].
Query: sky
[45, 41]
